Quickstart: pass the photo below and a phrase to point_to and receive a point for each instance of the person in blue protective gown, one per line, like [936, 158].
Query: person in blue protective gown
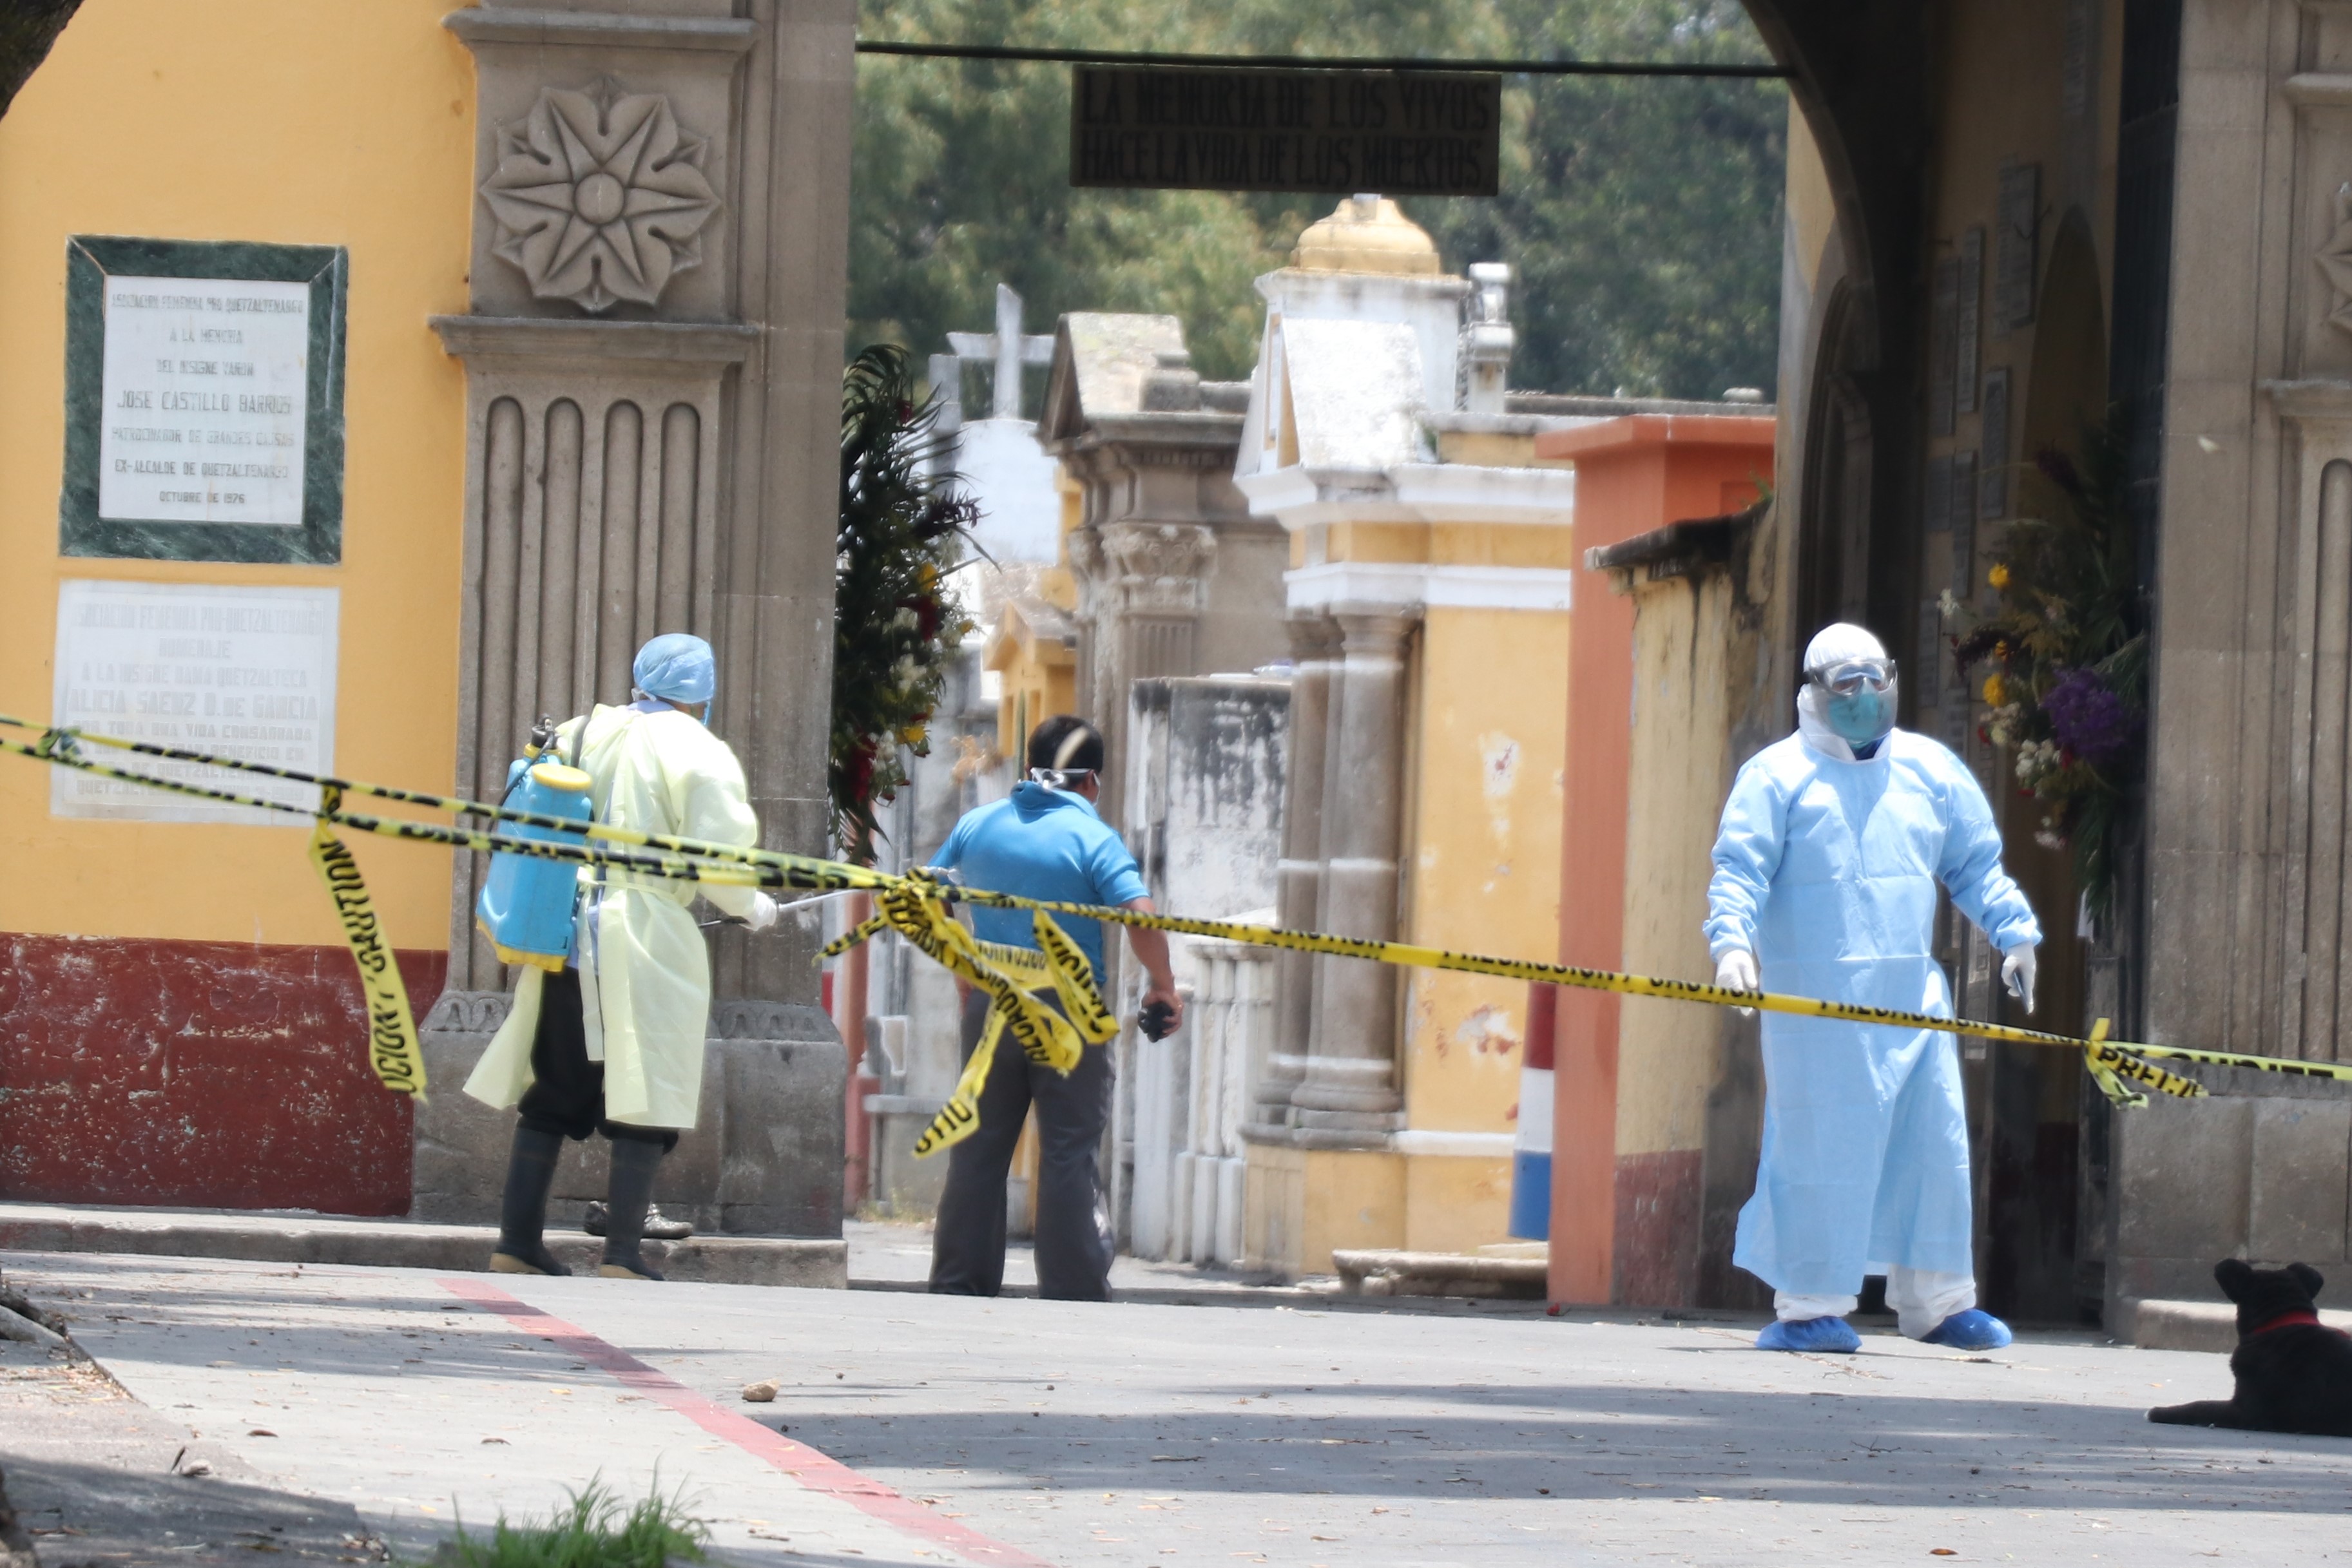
[1826, 867]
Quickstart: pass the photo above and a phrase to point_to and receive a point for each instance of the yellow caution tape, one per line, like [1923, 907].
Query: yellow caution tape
[919, 907]
[393, 1051]
[2109, 1061]
[1410, 955]
[922, 918]
[720, 864]
[58, 744]
[1074, 979]
[1019, 982]
[1036, 977]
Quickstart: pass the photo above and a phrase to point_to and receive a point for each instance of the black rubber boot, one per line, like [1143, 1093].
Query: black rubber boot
[523, 1213]
[627, 1199]
[658, 1227]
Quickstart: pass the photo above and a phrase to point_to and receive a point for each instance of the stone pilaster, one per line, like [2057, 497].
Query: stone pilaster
[1350, 1082]
[652, 348]
[591, 508]
[1313, 651]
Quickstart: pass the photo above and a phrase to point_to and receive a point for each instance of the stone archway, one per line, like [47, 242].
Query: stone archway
[1834, 499]
[1862, 75]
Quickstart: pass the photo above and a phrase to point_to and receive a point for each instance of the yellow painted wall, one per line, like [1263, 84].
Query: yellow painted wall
[2001, 90]
[1493, 449]
[1665, 1053]
[289, 121]
[1300, 1204]
[1033, 693]
[1489, 755]
[1444, 544]
[1041, 679]
[2002, 87]
[1454, 1203]
[1484, 839]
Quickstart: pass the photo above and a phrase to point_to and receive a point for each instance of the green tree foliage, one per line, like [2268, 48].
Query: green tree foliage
[1642, 214]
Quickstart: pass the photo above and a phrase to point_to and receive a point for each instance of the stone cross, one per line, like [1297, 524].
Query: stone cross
[1006, 348]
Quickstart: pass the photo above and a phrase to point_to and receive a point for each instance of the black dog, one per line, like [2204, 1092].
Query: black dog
[2295, 1375]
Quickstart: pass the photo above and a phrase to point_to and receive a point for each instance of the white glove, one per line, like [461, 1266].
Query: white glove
[764, 911]
[2017, 973]
[1735, 971]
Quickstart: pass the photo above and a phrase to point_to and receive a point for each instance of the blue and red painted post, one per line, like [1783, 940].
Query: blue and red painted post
[1531, 1156]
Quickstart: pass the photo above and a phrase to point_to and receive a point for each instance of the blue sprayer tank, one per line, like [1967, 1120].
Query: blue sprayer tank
[526, 903]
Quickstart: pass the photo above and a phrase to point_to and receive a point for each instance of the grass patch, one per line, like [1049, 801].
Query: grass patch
[591, 1531]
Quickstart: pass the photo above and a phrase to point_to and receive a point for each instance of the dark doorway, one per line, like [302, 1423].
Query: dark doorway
[2031, 1114]
[1833, 516]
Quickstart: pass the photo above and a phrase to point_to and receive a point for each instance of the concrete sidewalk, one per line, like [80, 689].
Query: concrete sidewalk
[274, 1237]
[100, 1479]
[915, 1428]
[873, 1255]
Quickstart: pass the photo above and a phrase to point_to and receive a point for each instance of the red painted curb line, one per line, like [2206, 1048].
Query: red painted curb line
[817, 1472]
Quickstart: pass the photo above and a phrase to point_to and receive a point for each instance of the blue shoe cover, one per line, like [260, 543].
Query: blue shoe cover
[1831, 1336]
[1970, 1330]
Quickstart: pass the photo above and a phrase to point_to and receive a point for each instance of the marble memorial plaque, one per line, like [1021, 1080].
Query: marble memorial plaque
[205, 391]
[231, 669]
[203, 401]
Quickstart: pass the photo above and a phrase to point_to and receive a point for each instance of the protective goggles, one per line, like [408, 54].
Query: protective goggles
[1850, 675]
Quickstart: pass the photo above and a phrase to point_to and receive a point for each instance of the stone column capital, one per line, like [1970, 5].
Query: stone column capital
[1313, 635]
[1374, 629]
[1143, 568]
[1157, 550]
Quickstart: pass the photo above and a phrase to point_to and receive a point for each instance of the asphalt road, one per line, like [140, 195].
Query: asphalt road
[919, 1429]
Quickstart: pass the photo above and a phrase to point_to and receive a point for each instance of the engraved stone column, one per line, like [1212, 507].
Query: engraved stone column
[1350, 1080]
[653, 350]
[1313, 648]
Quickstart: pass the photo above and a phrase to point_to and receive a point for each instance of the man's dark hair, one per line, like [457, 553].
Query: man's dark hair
[1067, 742]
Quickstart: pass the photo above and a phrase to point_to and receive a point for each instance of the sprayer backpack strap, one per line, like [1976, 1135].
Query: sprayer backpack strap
[579, 742]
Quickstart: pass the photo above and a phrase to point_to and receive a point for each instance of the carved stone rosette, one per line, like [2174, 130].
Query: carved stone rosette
[599, 197]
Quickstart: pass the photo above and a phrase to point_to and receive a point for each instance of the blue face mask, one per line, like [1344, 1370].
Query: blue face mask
[1860, 718]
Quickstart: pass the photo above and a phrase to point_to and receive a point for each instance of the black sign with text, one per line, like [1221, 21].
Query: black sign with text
[1400, 133]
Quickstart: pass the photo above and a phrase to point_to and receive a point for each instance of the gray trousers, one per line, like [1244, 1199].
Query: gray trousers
[1073, 1245]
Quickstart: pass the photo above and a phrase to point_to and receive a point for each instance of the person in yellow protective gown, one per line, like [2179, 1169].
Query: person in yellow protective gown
[613, 1043]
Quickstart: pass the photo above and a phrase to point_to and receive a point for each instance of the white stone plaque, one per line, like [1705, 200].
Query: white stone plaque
[205, 384]
[241, 672]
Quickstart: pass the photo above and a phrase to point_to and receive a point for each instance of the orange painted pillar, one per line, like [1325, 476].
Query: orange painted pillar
[1633, 474]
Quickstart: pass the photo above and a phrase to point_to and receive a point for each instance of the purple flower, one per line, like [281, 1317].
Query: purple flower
[2088, 718]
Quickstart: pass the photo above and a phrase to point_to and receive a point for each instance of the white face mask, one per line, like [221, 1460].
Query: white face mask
[1857, 699]
[1065, 778]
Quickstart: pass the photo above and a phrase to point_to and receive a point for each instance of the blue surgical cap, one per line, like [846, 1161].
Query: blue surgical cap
[676, 667]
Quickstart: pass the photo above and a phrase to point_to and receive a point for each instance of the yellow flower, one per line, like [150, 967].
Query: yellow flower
[928, 575]
[1995, 691]
[1998, 576]
[913, 733]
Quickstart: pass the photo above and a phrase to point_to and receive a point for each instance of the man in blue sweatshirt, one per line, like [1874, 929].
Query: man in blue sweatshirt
[1043, 841]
